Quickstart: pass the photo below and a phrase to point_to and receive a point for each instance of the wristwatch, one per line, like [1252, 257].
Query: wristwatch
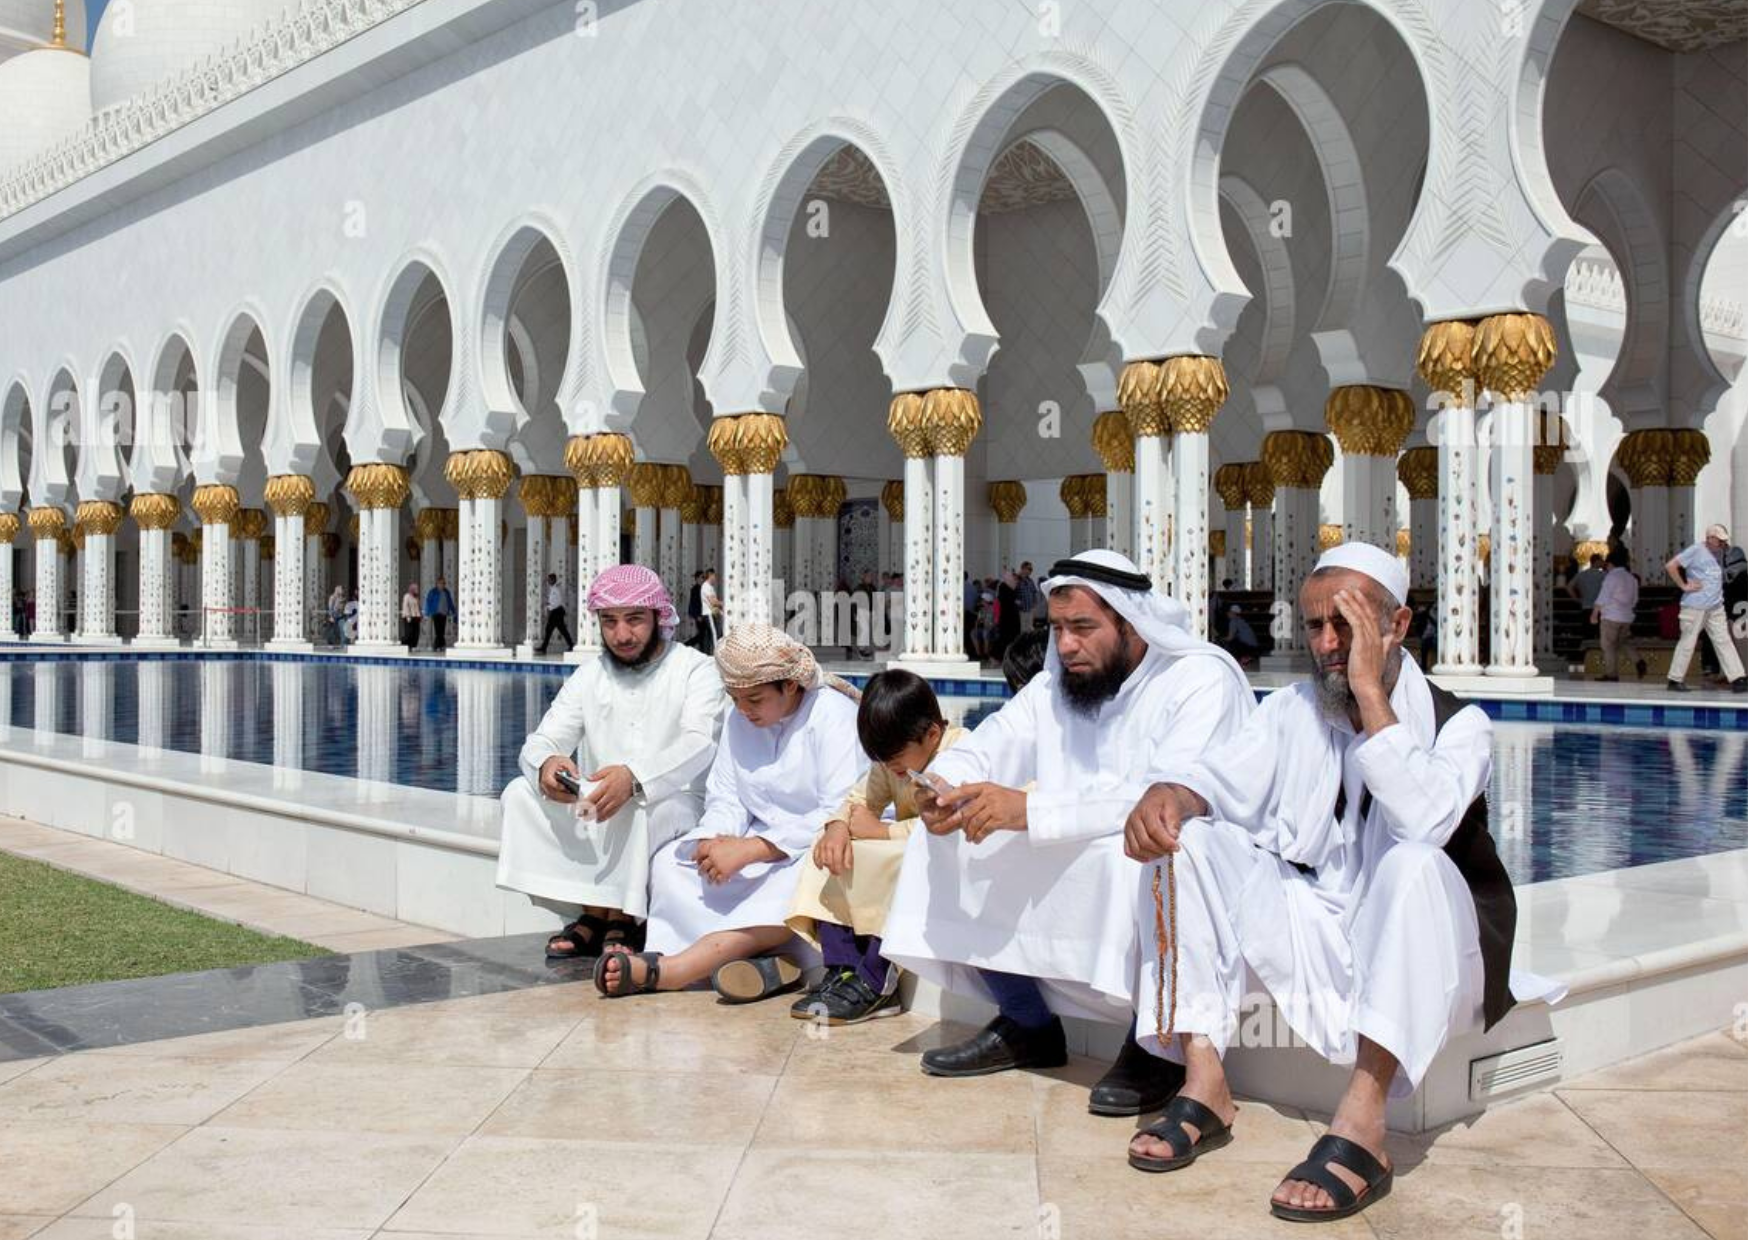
[636, 787]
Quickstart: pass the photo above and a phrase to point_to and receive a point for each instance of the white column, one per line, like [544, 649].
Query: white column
[1152, 508]
[215, 707]
[1447, 365]
[215, 585]
[1423, 543]
[782, 556]
[1651, 515]
[949, 531]
[451, 546]
[251, 619]
[587, 631]
[1262, 545]
[96, 706]
[825, 552]
[607, 503]
[643, 537]
[760, 527]
[97, 589]
[1120, 513]
[290, 619]
[1295, 554]
[734, 549]
[1190, 473]
[378, 558]
[1511, 569]
[668, 540]
[377, 687]
[534, 582]
[480, 598]
[1236, 559]
[315, 576]
[919, 542]
[1004, 542]
[430, 565]
[802, 551]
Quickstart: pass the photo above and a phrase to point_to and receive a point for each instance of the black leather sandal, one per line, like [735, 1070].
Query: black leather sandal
[582, 939]
[1170, 1128]
[1315, 1170]
[623, 985]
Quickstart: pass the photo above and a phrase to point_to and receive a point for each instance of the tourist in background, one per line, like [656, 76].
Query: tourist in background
[439, 606]
[1616, 605]
[337, 616]
[1030, 595]
[1584, 587]
[1699, 572]
[556, 620]
[410, 615]
[710, 607]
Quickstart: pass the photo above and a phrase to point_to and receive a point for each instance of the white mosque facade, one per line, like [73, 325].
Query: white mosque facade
[373, 291]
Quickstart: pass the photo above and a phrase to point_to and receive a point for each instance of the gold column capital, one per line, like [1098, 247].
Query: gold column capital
[579, 459]
[724, 444]
[1008, 499]
[1691, 452]
[315, 519]
[1192, 389]
[1297, 458]
[1072, 493]
[904, 422]
[216, 503]
[1093, 491]
[1513, 352]
[379, 485]
[952, 418]
[646, 484]
[9, 527]
[1328, 536]
[428, 524]
[782, 512]
[1259, 484]
[676, 487]
[1404, 542]
[1229, 484]
[251, 524]
[98, 516]
[892, 499]
[1418, 471]
[481, 473]
[760, 439]
[1114, 441]
[1138, 394]
[1446, 357]
[1217, 542]
[289, 495]
[1368, 420]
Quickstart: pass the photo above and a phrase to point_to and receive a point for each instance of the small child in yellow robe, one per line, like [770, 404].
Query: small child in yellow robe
[846, 886]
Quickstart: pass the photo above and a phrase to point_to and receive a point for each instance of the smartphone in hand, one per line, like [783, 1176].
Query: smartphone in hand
[930, 783]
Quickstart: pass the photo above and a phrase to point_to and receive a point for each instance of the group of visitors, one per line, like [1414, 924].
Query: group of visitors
[1332, 843]
[1712, 577]
[998, 610]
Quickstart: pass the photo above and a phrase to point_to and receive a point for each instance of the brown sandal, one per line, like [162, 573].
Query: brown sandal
[624, 985]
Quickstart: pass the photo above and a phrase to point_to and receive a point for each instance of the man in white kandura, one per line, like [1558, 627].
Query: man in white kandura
[1024, 896]
[720, 895]
[642, 720]
[1337, 851]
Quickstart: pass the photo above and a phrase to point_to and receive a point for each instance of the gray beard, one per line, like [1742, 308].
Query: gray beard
[1335, 697]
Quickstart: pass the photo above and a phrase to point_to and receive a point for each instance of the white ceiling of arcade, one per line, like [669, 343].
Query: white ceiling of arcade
[1679, 25]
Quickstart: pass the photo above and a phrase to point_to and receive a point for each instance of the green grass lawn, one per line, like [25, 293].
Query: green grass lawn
[58, 929]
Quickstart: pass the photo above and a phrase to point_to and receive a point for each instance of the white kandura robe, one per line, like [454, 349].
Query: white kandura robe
[1055, 902]
[662, 721]
[780, 783]
[1381, 940]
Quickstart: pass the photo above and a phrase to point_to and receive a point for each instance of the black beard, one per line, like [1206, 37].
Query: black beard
[1087, 691]
[642, 658]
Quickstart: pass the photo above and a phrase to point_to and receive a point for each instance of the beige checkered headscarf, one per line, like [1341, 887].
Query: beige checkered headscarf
[757, 654]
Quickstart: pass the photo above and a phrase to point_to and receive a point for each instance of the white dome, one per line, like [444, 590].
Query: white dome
[45, 96]
[141, 43]
[25, 24]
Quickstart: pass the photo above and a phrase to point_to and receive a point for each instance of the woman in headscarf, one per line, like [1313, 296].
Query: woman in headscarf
[719, 895]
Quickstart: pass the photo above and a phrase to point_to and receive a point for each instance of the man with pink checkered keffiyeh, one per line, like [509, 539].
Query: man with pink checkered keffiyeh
[615, 770]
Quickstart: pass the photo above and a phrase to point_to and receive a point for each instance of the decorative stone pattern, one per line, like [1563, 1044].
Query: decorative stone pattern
[1446, 362]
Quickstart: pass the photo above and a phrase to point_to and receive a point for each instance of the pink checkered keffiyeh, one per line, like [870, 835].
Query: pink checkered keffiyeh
[633, 585]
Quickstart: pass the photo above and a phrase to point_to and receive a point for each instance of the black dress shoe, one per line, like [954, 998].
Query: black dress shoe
[1137, 1083]
[998, 1046]
[1676, 686]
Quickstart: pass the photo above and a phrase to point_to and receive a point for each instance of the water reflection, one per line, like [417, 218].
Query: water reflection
[1566, 800]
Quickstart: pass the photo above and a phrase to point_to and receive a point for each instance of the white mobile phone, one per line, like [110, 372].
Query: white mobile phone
[934, 785]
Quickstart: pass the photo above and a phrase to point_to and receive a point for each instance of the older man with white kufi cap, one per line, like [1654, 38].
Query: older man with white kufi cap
[1019, 890]
[1336, 851]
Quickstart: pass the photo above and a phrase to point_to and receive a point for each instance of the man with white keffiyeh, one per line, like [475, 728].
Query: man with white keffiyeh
[631, 733]
[1019, 891]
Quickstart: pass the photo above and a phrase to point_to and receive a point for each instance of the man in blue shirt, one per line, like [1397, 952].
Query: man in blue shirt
[439, 606]
[1699, 571]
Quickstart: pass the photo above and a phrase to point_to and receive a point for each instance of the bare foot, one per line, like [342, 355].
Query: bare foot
[1215, 1095]
[1299, 1195]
